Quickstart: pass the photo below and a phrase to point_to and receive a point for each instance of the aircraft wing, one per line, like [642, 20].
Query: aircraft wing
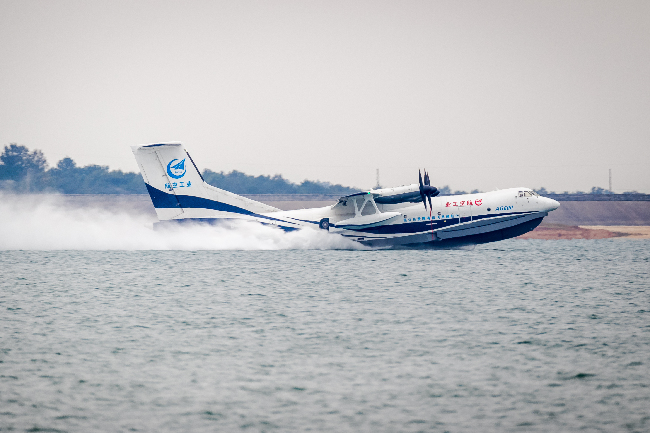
[400, 194]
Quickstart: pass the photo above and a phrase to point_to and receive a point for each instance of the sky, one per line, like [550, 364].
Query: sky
[483, 94]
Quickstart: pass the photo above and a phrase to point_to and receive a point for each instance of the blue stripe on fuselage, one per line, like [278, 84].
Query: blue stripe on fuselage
[426, 225]
[163, 200]
[217, 221]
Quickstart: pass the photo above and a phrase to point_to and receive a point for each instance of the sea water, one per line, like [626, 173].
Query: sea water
[520, 335]
[109, 326]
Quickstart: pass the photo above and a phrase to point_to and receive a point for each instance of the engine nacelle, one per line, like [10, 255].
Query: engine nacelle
[400, 194]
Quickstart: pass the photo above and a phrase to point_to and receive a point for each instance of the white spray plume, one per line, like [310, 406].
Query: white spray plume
[47, 223]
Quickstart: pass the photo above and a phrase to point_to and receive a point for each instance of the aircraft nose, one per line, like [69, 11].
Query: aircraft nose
[552, 204]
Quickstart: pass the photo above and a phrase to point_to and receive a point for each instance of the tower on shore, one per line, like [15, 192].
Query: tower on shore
[610, 180]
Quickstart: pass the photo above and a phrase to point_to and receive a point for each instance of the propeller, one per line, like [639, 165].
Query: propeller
[426, 190]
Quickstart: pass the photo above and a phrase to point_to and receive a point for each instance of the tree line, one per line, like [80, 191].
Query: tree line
[22, 171]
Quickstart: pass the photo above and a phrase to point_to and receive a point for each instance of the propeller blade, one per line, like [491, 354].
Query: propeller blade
[430, 205]
[427, 181]
[422, 193]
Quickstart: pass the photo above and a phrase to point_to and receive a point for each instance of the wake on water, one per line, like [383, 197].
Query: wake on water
[46, 223]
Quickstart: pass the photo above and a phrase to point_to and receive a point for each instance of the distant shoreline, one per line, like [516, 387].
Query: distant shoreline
[566, 232]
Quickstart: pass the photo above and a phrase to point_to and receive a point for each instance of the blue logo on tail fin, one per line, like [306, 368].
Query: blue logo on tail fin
[176, 170]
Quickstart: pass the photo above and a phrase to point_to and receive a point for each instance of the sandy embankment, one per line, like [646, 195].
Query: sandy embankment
[559, 231]
[630, 232]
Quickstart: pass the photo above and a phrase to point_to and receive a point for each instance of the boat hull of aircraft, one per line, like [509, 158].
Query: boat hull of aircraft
[380, 218]
[465, 233]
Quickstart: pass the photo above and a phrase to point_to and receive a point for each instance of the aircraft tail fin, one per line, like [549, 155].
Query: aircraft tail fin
[178, 191]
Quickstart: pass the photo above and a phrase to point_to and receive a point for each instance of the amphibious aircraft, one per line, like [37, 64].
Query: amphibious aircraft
[379, 218]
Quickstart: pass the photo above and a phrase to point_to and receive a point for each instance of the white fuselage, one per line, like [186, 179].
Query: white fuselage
[458, 218]
[389, 217]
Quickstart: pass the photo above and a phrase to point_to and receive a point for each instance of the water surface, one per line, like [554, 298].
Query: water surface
[511, 336]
